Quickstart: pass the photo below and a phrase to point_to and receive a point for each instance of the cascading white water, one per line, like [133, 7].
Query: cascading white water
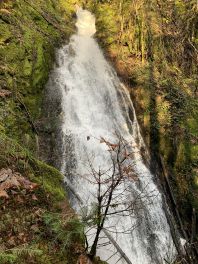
[96, 104]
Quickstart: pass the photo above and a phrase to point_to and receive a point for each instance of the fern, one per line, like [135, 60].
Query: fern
[14, 254]
[67, 231]
[6, 258]
[26, 251]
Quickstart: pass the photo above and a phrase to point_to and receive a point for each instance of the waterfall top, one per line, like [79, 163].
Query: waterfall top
[85, 22]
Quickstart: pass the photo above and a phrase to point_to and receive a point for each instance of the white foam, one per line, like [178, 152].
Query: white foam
[91, 107]
[85, 22]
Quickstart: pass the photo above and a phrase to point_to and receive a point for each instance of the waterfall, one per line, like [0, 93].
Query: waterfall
[96, 104]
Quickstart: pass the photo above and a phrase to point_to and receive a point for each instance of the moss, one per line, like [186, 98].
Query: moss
[194, 152]
[33, 217]
[69, 6]
[195, 172]
[180, 156]
[5, 33]
[50, 178]
[40, 70]
[27, 67]
[27, 210]
[29, 33]
[193, 125]
[13, 154]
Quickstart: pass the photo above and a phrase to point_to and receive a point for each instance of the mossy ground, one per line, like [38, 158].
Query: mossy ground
[36, 225]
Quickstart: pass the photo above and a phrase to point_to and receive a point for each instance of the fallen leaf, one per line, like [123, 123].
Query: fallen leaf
[12, 180]
[34, 185]
[27, 184]
[34, 197]
[39, 212]
[3, 194]
[4, 174]
[11, 241]
[20, 235]
[5, 11]
[8, 179]
[4, 93]
[13, 192]
[84, 260]
[19, 199]
[23, 181]
[35, 228]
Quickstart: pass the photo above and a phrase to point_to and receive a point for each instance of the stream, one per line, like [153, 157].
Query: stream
[95, 104]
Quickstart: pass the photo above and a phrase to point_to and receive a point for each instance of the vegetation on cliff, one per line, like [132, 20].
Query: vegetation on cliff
[154, 45]
[29, 33]
[37, 224]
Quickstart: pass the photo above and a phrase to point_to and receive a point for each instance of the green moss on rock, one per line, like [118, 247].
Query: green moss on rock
[29, 33]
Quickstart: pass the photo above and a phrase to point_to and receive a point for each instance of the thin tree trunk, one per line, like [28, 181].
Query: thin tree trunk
[95, 243]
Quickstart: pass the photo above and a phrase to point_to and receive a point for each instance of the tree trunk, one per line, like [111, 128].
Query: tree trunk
[95, 243]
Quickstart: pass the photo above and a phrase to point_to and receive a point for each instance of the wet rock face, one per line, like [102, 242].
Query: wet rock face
[49, 124]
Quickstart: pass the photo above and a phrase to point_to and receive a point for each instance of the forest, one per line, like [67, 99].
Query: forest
[153, 47]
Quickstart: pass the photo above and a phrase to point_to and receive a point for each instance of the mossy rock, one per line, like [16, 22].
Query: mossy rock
[50, 178]
[30, 32]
